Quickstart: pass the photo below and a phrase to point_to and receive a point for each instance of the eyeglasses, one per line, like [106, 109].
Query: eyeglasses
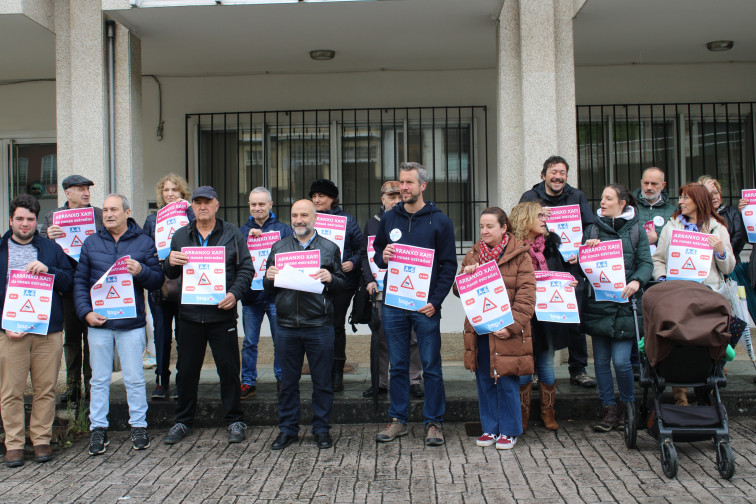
[541, 217]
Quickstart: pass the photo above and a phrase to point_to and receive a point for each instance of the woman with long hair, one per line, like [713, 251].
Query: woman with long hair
[730, 214]
[499, 357]
[611, 324]
[529, 225]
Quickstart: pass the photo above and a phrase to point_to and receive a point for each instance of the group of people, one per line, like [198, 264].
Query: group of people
[312, 324]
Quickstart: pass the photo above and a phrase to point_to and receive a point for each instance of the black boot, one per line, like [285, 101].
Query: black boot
[338, 375]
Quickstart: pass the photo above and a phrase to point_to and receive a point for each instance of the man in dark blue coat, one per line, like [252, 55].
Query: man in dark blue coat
[23, 352]
[120, 236]
[256, 302]
[553, 191]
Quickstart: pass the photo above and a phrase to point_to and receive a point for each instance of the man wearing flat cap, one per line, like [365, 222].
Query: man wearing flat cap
[325, 196]
[213, 324]
[75, 344]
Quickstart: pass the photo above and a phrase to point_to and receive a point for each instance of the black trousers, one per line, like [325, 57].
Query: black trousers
[75, 346]
[340, 306]
[224, 344]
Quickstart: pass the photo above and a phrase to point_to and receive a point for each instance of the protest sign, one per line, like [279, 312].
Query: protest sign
[113, 294]
[378, 273]
[749, 214]
[28, 301]
[259, 250]
[204, 276]
[689, 256]
[297, 271]
[408, 278]
[604, 267]
[332, 228]
[485, 299]
[566, 223]
[77, 224]
[555, 299]
[169, 219]
[306, 261]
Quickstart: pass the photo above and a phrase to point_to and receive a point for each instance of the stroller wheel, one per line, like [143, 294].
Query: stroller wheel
[725, 460]
[668, 458]
[631, 427]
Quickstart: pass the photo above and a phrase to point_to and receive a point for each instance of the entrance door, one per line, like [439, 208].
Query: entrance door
[30, 167]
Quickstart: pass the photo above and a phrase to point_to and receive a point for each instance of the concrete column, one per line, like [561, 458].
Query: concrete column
[82, 103]
[536, 93]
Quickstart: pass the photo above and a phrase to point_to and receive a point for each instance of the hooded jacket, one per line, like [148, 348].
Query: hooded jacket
[271, 224]
[239, 269]
[298, 309]
[352, 242]
[51, 255]
[512, 356]
[568, 196]
[647, 211]
[606, 318]
[99, 252]
[428, 228]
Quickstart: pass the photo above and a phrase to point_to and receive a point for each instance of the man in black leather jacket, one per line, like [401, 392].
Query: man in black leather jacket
[305, 326]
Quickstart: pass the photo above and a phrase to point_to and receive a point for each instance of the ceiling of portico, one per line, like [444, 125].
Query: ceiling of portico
[28, 49]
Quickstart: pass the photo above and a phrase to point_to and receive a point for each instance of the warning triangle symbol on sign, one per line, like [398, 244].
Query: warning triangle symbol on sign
[112, 294]
[407, 284]
[76, 241]
[689, 264]
[27, 308]
[565, 238]
[263, 264]
[170, 233]
[204, 280]
[603, 278]
[488, 305]
[556, 298]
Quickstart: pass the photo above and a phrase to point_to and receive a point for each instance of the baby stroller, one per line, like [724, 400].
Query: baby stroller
[685, 325]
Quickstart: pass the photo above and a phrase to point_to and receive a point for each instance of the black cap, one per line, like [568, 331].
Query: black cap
[76, 180]
[324, 186]
[204, 191]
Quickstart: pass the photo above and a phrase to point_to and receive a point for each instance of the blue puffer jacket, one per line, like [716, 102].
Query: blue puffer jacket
[352, 247]
[272, 224]
[98, 254]
[51, 255]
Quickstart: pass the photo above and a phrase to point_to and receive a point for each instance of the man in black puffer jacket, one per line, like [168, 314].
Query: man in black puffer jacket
[305, 326]
[214, 324]
[120, 236]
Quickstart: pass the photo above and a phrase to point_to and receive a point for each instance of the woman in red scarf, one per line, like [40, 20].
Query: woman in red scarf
[500, 357]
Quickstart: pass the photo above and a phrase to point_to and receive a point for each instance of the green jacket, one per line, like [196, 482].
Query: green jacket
[606, 318]
[646, 211]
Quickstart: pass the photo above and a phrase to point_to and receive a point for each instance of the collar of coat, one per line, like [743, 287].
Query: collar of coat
[514, 248]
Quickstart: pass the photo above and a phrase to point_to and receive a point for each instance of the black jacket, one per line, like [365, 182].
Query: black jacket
[371, 228]
[735, 227]
[569, 196]
[239, 269]
[297, 309]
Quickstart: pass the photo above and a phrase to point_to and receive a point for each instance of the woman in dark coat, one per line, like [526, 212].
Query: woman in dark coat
[500, 357]
[611, 324]
[730, 214]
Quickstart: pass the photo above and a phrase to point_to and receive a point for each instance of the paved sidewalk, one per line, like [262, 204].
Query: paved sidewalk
[574, 465]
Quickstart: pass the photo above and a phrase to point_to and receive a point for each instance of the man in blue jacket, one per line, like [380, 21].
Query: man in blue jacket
[256, 302]
[120, 236]
[553, 190]
[21, 353]
[415, 222]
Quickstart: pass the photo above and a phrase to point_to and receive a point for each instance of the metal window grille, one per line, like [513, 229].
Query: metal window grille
[687, 140]
[359, 149]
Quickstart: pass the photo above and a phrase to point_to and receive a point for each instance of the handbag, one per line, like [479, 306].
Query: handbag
[362, 309]
[170, 290]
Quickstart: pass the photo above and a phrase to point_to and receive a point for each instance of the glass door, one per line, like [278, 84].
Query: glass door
[32, 168]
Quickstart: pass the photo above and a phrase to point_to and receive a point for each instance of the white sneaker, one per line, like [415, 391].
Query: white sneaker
[505, 442]
[486, 439]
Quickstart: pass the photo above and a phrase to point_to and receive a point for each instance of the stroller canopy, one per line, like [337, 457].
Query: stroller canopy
[682, 311]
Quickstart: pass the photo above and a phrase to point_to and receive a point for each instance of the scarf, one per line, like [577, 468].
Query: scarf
[537, 247]
[487, 254]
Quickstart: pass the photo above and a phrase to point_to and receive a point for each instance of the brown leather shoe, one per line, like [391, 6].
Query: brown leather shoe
[14, 458]
[42, 453]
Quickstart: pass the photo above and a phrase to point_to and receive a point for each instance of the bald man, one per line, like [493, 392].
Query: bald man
[305, 327]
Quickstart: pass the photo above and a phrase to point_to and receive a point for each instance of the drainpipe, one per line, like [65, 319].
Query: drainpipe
[110, 30]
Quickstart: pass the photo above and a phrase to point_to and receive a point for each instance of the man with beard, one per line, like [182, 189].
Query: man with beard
[305, 327]
[553, 191]
[653, 202]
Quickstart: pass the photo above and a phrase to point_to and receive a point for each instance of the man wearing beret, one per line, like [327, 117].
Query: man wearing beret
[75, 345]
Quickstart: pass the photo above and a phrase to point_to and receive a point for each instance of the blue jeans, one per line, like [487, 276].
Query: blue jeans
[544, 365]
[130, 346]
[617, 351]
[398, 325]
[499, 400]
[252, 317]
[293, 344]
